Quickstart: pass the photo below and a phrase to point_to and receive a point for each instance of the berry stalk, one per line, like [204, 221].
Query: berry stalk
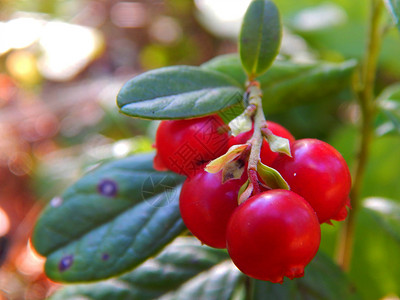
[257, 138]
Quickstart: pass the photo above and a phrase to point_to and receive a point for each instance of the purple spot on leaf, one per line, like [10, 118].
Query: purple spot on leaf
[194, 260]
[65, 263]
[105, 256]
[56, 201]
[108, 188]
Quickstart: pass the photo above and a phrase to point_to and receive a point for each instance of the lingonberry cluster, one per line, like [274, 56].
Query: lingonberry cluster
[274, 233]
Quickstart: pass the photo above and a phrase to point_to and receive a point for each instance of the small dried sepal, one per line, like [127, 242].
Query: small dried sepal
[271, 177]
[233, 170]
[277, 143]
[240, 124]
[245, 192]
[219, 163]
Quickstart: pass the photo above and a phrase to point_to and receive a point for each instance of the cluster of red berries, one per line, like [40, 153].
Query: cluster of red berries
[272, 234]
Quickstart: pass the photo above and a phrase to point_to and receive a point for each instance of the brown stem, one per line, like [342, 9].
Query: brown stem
[257, 138]
[254, 180]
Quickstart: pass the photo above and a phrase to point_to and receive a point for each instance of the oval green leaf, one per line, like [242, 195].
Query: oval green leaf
[178, 92]
[110, 221]
[310, 83]
[228, 64]
[178, 265]
[288, 84]
[260, 37]
[219, 283]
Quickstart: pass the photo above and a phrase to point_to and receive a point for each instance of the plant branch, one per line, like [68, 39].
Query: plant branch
[365, 96]
[257, 138]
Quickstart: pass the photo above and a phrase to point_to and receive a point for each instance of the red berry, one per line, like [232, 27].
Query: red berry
[158, 163]
[183, 146]
[272, 235]
[343, 212]
[206, 206]
[318, 173]
[266, 155]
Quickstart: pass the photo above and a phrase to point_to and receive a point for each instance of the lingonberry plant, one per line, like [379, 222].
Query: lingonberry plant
[225, 177]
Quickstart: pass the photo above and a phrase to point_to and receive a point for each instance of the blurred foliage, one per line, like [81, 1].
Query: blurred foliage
[376, 252]
[61, 66]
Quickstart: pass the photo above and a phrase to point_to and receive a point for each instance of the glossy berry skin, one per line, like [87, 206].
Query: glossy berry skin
[319, 174]
[266, 155]
[183, 146]
[341, 215]
[206, 206]
[272, 235]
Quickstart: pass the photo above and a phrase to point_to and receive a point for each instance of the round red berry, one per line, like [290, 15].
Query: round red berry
[267, 156]
[206, 206]
[183, 146]
[317, 172]
[272, 235]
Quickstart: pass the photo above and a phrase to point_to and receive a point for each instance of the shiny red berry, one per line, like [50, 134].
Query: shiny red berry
[183, 146]
[341, 215]
[266, 155]
[206, 206]
[272, 235]
[317, 172]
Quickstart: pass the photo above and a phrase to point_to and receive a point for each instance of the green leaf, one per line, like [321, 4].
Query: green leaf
[180, 271]
[387, 214]
[288, 84]
[218, 283]
[260, 37]
[375, 260]
[388, 117]
[228, 64]
[178, 92]
[393, 7]
[110, 221]
[295, 84]
[323, 280]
